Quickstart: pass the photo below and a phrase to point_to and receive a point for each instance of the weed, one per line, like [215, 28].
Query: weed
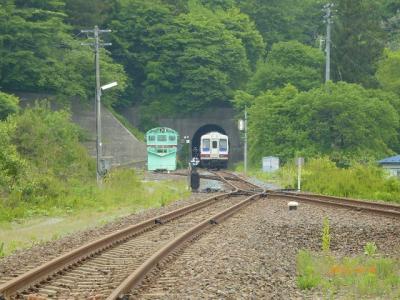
[357, 277]
[2, 252]
[308, 277]
[326, 236]
[370, 248]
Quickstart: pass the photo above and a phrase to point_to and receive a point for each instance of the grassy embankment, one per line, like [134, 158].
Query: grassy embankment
[122, 193]
[320, 175]
[365, 276]
[47, 181]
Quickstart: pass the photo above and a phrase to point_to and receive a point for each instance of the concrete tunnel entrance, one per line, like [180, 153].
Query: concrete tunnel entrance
[203, 130]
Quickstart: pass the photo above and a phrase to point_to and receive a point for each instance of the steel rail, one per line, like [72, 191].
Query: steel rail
[139, 274]
[50, 268]
[349, 200]
[356, 205]
[254, 187]
[212, 177]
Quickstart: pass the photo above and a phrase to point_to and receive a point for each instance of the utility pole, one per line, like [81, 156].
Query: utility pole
[97, 44]
[245, 140]
[328, 20]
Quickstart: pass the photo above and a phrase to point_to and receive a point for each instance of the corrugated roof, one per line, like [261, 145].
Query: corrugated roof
[390, 160]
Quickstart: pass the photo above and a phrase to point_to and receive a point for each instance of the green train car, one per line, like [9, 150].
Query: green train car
[162, 146]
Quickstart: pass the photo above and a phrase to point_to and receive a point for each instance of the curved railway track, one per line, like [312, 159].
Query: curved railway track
[384, 209]
[111, 266]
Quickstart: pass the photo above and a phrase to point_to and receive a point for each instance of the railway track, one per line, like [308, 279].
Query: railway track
[384, 209]
[109, 267]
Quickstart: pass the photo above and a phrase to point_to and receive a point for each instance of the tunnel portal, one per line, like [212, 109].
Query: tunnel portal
[201, 131]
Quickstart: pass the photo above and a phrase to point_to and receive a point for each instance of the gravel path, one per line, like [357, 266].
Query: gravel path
[256, 259]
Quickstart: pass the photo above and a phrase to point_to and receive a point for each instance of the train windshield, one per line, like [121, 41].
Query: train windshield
[206, 145]
[161, 138]
[215, 144]
[172, 138]
[223, 145]
[151, 138]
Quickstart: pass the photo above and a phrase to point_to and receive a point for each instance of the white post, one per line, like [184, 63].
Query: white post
[299, 178]
[245, 140]
[299, 162]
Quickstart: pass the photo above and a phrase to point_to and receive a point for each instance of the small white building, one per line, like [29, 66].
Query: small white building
[392, 164]
[270, 164]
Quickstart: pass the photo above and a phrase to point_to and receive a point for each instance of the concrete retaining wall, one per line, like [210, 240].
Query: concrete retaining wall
[118, 142]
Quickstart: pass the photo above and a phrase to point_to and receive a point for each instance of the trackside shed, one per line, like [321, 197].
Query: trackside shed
[392, 164]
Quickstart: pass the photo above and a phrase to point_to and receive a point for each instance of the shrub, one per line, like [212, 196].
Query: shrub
[365, 181]
[8, 105]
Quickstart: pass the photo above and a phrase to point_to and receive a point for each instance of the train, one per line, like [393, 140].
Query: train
[214, 150]
[162, 148]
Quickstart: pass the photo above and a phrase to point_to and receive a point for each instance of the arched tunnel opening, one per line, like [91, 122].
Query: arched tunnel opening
[201, 131]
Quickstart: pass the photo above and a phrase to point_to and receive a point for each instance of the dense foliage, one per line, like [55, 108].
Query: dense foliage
[39, 53]
[359, 181]
[288, 62]
[189, 53]
[188, 61]
[340, 120]
[8, 105]
[180, 56]
[41, 156]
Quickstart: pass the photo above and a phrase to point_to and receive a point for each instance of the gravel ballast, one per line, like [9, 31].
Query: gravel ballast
[253, 254]
[24, 260]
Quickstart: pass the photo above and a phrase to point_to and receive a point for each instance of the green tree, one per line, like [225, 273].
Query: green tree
[288, 62]
[341, 120]
[87, 13]
[283, 20]
[50, 142]
[188, 61]
[39, 54]
[202, 64]
[138, 27]
[243, 28]
[392, 26]
[358, 41]
[41, 155]
[388, 73]
[12, 166]
[8, 105]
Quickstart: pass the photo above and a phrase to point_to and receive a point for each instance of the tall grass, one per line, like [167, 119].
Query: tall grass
[121, 188]
[321, 175]
[366, 181]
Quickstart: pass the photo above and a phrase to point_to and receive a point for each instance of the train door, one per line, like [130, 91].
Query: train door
[214, 149]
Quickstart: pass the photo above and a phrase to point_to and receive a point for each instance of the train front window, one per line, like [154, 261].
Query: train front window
[215, 144]
[151, 138]
[223, 145]
[161, 138]
[172, 138]
[206, 145]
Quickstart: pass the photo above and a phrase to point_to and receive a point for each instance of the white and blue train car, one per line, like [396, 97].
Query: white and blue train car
[214, 150]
